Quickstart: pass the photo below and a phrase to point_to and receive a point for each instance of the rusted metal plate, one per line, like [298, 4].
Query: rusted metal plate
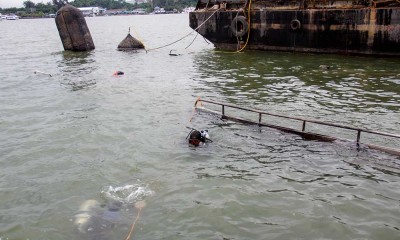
[360, 31]
[74, 32]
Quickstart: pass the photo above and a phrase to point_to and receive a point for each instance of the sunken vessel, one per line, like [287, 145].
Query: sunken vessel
[360, 27]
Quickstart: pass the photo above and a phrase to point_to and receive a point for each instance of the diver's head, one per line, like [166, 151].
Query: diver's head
[114, 206]
[197, 137]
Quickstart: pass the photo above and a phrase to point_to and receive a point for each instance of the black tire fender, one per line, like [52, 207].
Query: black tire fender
[239, 26]
[295, 24]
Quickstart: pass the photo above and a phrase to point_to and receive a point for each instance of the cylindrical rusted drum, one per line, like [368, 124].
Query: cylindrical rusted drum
[74, 33]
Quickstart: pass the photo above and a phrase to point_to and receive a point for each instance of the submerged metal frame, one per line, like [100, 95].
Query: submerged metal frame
[302, 133]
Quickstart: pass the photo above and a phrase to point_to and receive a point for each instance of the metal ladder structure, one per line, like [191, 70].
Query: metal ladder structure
[303, 133]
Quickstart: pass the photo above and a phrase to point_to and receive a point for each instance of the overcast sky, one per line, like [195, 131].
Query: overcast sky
[18, 3]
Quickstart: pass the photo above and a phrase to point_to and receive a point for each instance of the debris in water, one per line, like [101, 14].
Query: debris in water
[173, 54]
[37, 71]
[324, 67]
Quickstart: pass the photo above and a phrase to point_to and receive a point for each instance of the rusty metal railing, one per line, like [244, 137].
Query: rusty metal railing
[304, 121]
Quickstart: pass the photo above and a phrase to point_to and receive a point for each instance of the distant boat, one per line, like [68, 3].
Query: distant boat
[12, 17]
[188, 9]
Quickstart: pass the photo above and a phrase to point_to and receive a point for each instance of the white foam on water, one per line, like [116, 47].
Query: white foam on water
[127, 193]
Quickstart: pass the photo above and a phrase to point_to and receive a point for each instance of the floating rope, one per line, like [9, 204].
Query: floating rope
[180, 39]
[139, 205]
[205, 21]
[198, 33]
[192, 41]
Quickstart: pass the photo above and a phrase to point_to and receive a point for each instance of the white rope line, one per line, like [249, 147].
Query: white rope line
[169, 44]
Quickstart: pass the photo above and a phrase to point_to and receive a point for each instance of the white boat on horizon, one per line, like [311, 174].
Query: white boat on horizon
[12, 17]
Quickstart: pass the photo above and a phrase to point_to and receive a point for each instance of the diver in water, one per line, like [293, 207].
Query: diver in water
[95, 221]
[197, 137]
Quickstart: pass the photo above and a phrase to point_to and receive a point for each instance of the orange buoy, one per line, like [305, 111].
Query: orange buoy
[74, 33]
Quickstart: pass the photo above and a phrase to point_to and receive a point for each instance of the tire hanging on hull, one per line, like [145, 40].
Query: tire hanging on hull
[295, 24]
[239, 26]
[74, 33]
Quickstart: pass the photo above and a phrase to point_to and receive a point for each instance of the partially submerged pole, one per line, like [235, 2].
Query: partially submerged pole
[74, 33]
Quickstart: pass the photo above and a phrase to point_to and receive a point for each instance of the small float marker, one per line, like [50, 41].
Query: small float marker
[118, 73]
[36, 72]
[173, 54]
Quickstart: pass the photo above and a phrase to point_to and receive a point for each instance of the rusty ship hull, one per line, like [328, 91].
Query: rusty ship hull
[339, 28]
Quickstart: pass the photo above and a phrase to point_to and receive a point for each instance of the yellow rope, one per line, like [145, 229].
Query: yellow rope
[248, 32]
[138, 36]
[139, 205]
[133, 225]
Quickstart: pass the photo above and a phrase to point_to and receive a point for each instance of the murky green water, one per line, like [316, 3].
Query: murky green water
[84, 134]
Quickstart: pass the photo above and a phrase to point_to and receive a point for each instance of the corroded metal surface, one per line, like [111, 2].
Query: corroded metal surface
[74, 33]
[357, 29]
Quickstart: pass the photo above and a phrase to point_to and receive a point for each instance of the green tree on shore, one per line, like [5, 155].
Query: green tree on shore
[29, 4]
